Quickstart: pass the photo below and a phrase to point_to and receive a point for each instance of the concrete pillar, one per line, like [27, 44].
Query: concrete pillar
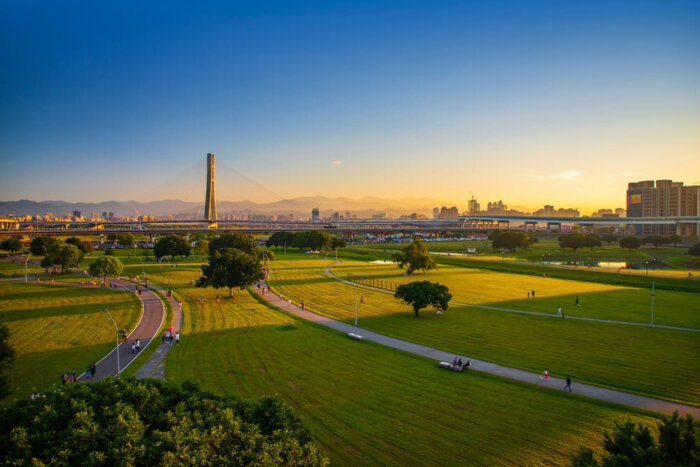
[102, 239]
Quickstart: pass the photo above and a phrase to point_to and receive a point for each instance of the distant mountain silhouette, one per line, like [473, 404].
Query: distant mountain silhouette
[299, 207]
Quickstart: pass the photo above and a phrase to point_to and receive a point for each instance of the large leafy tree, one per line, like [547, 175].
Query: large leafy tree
[510, 240]
[421, 294]
[236, 240]
[675, 239]
[126, 239]
[7, 355]
[280, 239]
[656, 240]
[11, 244]
[414, 257]
[631, 444]
[576, 240]
[83, 245]
[62, 254]
[173, 245]
[230, 267]
[313, 239]
[630, 242]
[39, 244]
[338, 243]
[124, 421]
[106, 266]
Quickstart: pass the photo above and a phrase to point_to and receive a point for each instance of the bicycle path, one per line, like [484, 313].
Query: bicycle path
[595, 392]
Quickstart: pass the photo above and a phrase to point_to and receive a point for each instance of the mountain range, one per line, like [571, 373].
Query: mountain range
[299, 207]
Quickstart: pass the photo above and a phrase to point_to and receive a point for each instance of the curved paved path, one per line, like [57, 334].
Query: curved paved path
[330, 273]
[588, 390]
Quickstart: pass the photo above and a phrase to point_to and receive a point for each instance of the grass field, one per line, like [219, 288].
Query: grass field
[55, 328]
[656, 362]
[368, 404]
[492, 288]
[9, 269]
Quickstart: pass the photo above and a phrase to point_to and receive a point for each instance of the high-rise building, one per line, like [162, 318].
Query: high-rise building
[210, 201]
[436, 212]
[664, 198]
[315, 215]
[496, 208]
[473, 206]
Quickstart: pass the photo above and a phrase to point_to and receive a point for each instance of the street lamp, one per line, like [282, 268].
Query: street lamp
[355, 285]
[26, 260]
[116, 347]
[652, 304]
[647, 267]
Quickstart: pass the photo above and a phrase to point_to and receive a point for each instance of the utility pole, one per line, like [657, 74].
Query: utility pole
[652, 304]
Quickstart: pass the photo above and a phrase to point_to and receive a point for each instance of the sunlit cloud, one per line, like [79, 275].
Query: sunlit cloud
[337, 163]
[565, 176]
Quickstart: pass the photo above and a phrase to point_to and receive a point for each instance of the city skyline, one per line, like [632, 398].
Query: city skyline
[391, 100]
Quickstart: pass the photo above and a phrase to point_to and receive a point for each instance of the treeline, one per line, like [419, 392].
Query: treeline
[151, 422]
[310, 240]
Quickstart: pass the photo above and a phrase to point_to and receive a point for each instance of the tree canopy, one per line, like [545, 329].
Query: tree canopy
[414, 257]
[630, 242]
[173, 245]
[239, 241]
[230, 267]
[421, 294]
[312, 239]
[338, 243]
[280, 239]
[11, 244]
[62, 254]
[39, 244]
[576, 240]
[694, 250]
[656, 240]
[631, 444]
[675, 239]
[609, 238]
[106, 266]
[509, 240]
[125, 421]
[7, 355]
[126, 239]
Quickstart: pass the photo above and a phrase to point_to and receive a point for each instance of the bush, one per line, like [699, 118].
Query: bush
[694, 250]
[151, 422]
[630, 242]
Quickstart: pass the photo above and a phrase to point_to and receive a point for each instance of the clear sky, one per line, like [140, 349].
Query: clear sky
[531, 102]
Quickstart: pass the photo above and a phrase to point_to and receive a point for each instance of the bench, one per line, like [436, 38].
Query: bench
[352, 335]
[452, 367]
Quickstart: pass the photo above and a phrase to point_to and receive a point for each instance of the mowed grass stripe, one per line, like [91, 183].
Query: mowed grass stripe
[370, 404]
[656, 362]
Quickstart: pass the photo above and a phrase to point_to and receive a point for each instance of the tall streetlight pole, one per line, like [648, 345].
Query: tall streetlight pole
[116, 347]
[25, 266]
[355, 284]
[652, 304]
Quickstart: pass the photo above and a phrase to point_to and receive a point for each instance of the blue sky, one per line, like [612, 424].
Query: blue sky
[530, 102]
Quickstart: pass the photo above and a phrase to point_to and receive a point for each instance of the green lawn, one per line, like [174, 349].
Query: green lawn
[368, 404]
[9, 269]
[493, 288]
[55, 328]
[657, 362]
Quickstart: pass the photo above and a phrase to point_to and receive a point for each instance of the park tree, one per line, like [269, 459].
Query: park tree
[39, 244]
[112, 238]
[675, 239]
[201, 247]
[655, 240]
[338, 243]
[230, 267]
[494, 234]
[510, 240]
[421, 294]
[7, 355]
[694, 250]
[313, 240]
[630, 242]
[128, 421]
[11, 244]
[62, 254]
[84, 246]
[239, 241]
[126, 239]
[173, 245]
[609, 238]
[631, 444]
[106, 266]
[414, 257]
[280, 239]
[266, 256]
[576, 240]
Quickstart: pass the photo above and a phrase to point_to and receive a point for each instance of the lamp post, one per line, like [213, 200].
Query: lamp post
[646, 263]
[355, 285]
[652, 304]
[26, 260]
[116, 347]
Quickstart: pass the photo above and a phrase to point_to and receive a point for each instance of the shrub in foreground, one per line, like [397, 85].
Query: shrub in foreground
[151, 422]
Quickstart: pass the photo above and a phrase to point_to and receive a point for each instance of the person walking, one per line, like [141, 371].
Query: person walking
[577, 303]
[545, 375]
[171, 340]
[568, 383]
[533, 294]
[93, 370]
[138, 345]
[133, 347]
[559, 311]
[177, 338]
[528, 295]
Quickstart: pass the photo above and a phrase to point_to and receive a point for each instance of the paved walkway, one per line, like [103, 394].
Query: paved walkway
[330, 273]
[588, 390]
[155, 365]
[152, 314]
